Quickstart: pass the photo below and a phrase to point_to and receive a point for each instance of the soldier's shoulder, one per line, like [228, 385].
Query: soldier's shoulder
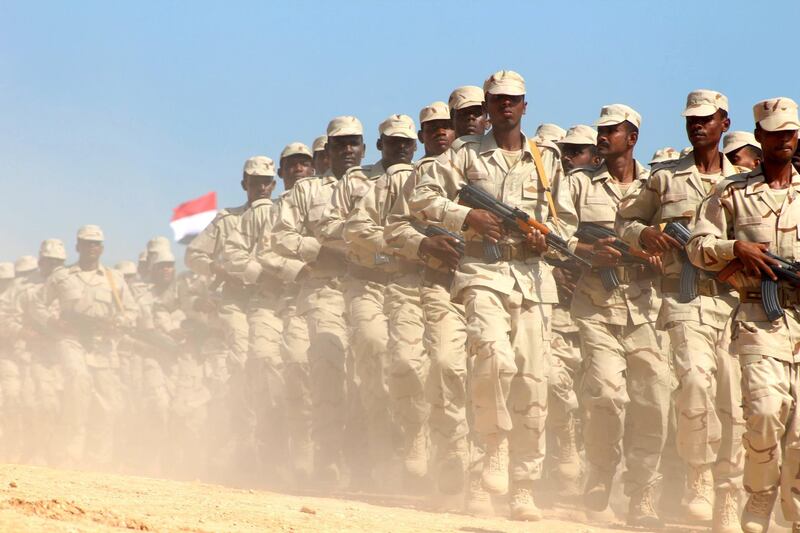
[231, 211]
[303, 182]
[466, 141]
[737, 181]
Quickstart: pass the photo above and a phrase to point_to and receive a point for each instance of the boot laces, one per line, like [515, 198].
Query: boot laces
[760, 503]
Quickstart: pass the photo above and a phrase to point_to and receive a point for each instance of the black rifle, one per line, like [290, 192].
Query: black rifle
[689, 272]
[515, 219]
[589, 232]
[788, 271]
[433, 231]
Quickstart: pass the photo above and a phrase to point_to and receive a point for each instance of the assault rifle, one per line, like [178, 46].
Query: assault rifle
[433, 231]
[589, 232]
[788, 271]
[689, 272]
[515, 219]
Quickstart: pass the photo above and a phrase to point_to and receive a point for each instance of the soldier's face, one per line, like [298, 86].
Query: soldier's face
[469, 121]
[163, 273]
[89, 250]
[258, 187]
[345, 151]
[576, 155]
[744, 157]
[437, 136]
[778, 147]
[505, 111]
[614, 140]
[396, 150]
[295, 167]
[706, 131]
[321, 161]
[48, 264]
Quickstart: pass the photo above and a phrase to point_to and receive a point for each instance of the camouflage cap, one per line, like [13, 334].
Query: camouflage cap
[505, 82]
[259, 166]
[580, 134]
[434, 111]
[703, 103]
[613, 114]
[162, 255]
[90, 232]
[550, 132]
[26, 263]
[6, 270]
[466, 96]
[296, 148]
[126, 268]
[319, 143]
[738, 139]
[686, 151]
[345, 125]
[157, 243]
[777, 114]
[398, 126]
[53, 248]
[668, 153]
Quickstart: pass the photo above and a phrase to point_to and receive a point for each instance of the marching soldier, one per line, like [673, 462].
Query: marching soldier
[466, 111]
[742, 149]
[320, 159]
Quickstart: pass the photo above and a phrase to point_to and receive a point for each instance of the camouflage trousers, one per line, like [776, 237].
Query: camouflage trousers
[625, 394]
[409, 360]
[708, 400]
[13, 376]
[297, 381]
[509, 339]
[772, 436]
[446, 342]
[565, 368]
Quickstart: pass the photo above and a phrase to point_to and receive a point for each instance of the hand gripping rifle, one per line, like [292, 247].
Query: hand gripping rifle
[433, 231]
[589, 232]
[788, 271]
[689, 272]
[514, 219]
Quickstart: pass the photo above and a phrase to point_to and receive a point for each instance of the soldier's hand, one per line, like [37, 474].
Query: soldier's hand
[564, 281]
[443, 248]
[485, 223]
[537, 240]
[655, 241]
[603, 254]
[754, 260]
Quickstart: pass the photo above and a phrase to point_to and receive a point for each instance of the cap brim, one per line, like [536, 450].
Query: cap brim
[344, 132]
[576, 139]
[295, 152]
[399, 133]
[507, 89]
[468, 103]
[435, 117]
[704, 110]
[779, 123]
[732, 147]
[610, 121]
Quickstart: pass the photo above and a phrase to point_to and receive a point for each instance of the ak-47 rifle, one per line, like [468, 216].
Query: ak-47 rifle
[589, 232]
[515, 219]
[689, 272]
[433, 231]
[786, 271]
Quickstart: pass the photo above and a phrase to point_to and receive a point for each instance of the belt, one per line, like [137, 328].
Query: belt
[630, 273]
[369, 274]
[408, 267]
[705, 286]
[786, 297]
[431, 277]
[508, 252]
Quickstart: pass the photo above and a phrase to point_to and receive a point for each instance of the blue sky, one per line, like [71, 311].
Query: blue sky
[112, 113]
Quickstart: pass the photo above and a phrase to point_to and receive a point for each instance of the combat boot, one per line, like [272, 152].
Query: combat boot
[416, 452]
[757, 511]
[642, 510]
[598, 490]
[522, 505]
[478, 502]
[495, 464]
[726, 512]
[452, 463]
[568, 467]
[700, 493]
[303, 459]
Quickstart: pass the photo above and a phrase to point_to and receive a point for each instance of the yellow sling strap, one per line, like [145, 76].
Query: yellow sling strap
[114, 291]
[537, 160]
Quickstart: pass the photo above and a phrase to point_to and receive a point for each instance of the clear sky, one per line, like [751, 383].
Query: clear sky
[114, 112]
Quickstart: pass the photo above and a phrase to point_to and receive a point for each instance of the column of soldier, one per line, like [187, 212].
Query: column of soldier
[373, 324]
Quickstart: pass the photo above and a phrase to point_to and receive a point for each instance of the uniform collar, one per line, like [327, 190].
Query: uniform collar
[757, 186]
[601, 173]
[489, 146]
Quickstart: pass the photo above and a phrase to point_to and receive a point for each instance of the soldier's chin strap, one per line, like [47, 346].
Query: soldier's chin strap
[537, 160]
[114, 291]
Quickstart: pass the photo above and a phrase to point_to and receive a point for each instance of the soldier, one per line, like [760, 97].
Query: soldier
[742, 149]
[508, 303]
[746, 216]
[94, 305]
[435, 129]
[466, 111]
[707, 402]
[579, 148]
[663, 155]
[549, 132]
[320, 300]
[320, 160]
[626, 375]
[388, 354]
[6, 276]
[294, 347]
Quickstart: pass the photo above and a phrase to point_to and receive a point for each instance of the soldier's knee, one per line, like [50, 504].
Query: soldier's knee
[695, 384]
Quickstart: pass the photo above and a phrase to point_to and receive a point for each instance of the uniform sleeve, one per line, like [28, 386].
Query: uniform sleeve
[130, 310]
[330, 230]
[437, 186]
[568, 189]
[237, 259]
[201, 252]
[399, 233]
[363, 227]
[635, 216]
[289, 237]
[710, 246]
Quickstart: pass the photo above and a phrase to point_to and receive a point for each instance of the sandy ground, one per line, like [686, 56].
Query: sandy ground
[43, 499]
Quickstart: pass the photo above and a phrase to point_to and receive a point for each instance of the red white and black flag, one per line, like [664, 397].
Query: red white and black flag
[192, 217]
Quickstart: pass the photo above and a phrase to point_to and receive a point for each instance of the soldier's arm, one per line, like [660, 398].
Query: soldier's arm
[633, 217]
[710, 246]
[288, 238]
[130, 309]
[237, 259]
[399, 233]
[330, 229]
[200, 253]
[433, 200]
[363, 227]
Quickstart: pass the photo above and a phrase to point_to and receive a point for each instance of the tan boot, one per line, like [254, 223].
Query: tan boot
[597, 491]
[416, 459]
[568, 460]
[452, 465]
[726, 512]
[757, 511]
[495, 464]
[700, 493]
[478, 501]
[522, 505]
[642, 510]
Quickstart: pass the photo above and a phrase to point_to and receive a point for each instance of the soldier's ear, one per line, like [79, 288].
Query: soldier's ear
[633, 137]
[726, 124]
[379, 144]
[244, 184]
[524, 107]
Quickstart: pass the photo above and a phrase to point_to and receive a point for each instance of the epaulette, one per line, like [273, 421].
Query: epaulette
[464, 140]
[722, 184]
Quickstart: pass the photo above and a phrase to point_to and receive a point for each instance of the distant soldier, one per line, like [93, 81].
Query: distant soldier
[742, 149]
[745, 217]
[662, 156]
[466, 110]
[579, 148]
[95, 306]
[320, 160]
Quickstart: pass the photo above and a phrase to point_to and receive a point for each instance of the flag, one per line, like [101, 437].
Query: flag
[192, 217]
